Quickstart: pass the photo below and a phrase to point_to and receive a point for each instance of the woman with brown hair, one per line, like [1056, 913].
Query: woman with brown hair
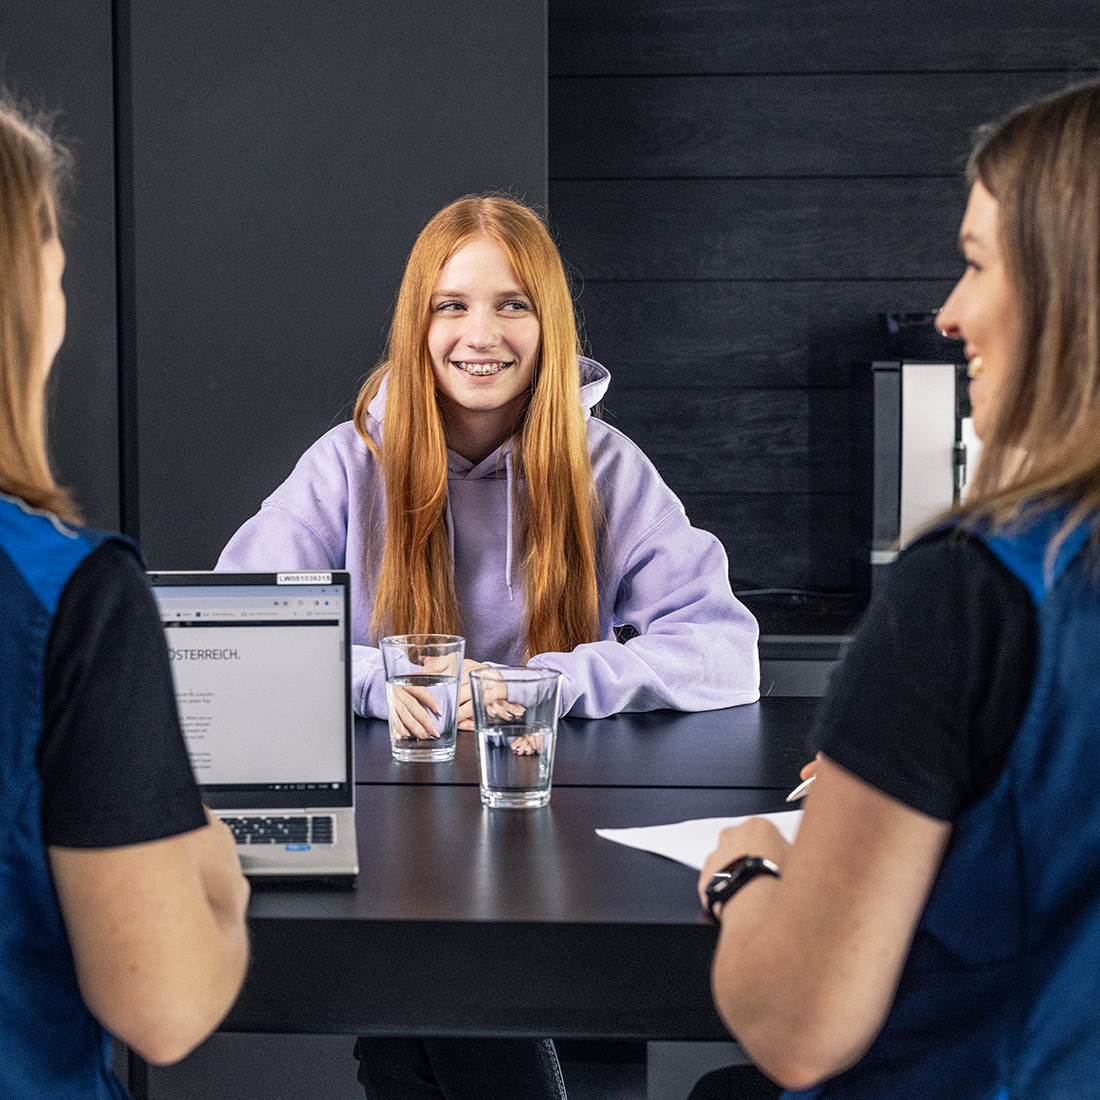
[121, 901]
[935, 928]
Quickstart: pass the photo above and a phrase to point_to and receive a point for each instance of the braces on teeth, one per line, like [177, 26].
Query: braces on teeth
[481, 368]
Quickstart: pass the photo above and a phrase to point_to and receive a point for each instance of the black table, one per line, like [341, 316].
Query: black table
[762, 745]
[468, 921]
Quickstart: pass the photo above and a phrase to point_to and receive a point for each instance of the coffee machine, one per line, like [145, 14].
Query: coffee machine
[914, 450]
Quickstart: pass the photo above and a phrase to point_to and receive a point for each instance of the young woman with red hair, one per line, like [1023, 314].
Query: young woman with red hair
[473, 493]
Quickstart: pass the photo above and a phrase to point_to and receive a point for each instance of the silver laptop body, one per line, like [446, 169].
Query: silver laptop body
[262, 669]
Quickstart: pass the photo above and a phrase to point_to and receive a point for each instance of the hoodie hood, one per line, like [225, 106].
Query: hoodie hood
[484, 504]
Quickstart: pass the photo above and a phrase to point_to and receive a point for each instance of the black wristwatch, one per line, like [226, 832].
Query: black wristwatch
[733, 876]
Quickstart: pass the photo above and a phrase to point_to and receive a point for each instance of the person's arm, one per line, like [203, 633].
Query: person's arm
[696, 643]
[150, 888]
[158, 935]
[696, 647]
[807, 964]
[304, 524]
[916, 727]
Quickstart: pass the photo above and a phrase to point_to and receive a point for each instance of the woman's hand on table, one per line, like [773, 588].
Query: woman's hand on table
[411, 710]
[465, 697]
[494, 697]
[415, 709]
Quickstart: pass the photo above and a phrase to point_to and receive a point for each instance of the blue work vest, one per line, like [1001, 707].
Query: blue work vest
[50, 1044]
[1000, 996]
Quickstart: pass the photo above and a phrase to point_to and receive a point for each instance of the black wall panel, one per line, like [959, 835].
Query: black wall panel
[741, 187]
[285, 157]
[777, 124]
[57, 58]
[742, 333]
[752, 229]
[738, 186]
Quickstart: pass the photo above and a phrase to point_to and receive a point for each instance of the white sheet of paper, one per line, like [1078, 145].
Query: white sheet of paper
[691, 842]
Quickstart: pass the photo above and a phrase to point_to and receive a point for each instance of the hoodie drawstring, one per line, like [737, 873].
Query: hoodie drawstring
[508, 538]
[450, 522]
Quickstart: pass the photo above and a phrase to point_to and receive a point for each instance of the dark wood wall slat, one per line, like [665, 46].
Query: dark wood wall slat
[793, 540]
[777, 125]
[760, 229]
[707, 440]
[740, 335]
[730, 36]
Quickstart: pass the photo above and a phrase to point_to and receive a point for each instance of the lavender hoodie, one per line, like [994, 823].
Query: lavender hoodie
[696, 643]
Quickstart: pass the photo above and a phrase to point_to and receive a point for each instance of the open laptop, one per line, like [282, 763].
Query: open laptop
[262, 670]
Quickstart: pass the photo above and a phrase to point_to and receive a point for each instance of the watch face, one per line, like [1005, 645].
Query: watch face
[718, 889]
[729, 880]
[718, 885]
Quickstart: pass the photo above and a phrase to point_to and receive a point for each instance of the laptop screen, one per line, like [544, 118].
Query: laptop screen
[261, 665]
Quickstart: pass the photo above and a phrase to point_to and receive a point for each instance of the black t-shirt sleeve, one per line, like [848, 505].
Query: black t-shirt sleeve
[112, 759]
[934, 686]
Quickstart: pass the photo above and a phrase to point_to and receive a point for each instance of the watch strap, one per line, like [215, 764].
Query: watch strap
[733, 876]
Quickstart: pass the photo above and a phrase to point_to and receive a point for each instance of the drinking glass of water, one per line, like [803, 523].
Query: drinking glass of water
[422, 675]
[516, 721]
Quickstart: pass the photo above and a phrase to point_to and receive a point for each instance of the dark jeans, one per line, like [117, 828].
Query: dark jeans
[459, 1069]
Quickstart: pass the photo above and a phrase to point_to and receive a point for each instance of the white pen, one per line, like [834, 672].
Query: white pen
[800, 790]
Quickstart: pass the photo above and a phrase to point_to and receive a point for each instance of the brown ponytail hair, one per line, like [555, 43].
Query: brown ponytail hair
[31, 165]
[1042, 165]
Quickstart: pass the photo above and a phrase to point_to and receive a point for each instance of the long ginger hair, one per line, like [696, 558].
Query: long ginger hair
[415, 582]
[1042, 165]
[31, 164]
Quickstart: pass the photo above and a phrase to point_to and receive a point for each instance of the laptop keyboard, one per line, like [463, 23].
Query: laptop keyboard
[299, 829]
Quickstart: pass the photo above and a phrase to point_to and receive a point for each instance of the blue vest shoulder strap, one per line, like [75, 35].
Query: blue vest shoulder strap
[44, 549]
[1023, 550]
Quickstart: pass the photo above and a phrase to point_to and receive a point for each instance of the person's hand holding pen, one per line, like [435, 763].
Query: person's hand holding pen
[755, 837]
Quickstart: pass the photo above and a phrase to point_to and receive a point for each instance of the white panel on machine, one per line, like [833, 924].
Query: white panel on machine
[928, 443]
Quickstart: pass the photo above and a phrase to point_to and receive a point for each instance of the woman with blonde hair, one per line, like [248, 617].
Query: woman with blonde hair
[475, 494]
[935, 928]
[121, 903]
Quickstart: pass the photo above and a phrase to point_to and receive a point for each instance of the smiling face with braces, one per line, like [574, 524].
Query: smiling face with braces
[483, 341]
